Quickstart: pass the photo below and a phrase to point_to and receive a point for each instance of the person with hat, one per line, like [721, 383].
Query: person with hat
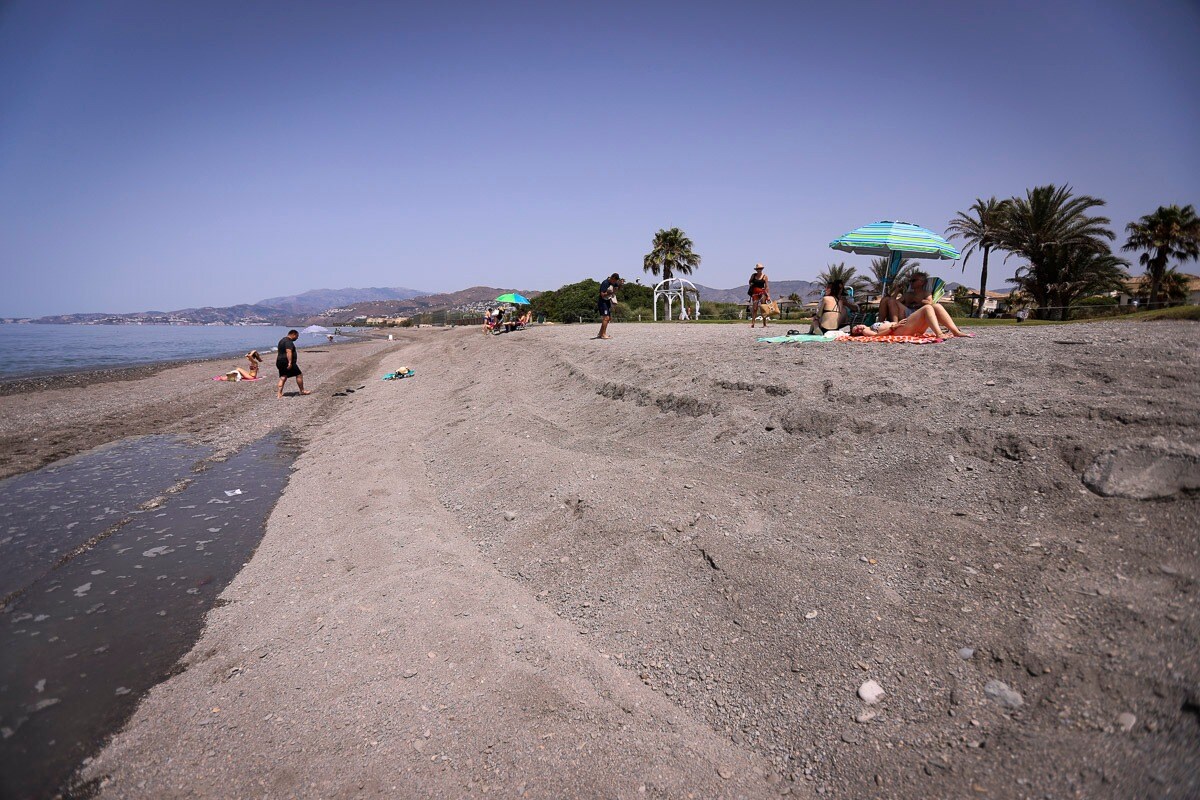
[760, 292]
[608, 296]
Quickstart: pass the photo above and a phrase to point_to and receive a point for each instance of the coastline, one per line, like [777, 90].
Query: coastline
[74, 412]
[69, 378]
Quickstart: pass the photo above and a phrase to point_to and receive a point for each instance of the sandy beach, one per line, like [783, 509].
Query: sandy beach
[664, 565]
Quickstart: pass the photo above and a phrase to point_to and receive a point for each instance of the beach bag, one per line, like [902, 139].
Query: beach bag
[769, 309]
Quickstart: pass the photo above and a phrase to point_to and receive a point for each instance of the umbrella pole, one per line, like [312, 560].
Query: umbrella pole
[893, 269]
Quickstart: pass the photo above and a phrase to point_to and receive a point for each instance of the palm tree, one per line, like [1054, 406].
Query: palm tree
[978, 228]
[672, 254]
[1053, 231]
[847, 275]
[1174, 286]
[1172, 289]
[879, 267]
[1068, 274]
[1169, 233]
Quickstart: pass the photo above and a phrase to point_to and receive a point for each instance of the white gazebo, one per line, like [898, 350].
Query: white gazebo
[676, 290]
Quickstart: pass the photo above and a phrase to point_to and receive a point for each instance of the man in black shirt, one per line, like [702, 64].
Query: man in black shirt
[285, 362]
[608, 296]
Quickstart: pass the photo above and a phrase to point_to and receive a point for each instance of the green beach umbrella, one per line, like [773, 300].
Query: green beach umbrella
[512, 297]
[895, 241]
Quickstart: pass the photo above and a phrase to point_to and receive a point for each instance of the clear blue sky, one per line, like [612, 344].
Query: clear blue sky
[158, 155]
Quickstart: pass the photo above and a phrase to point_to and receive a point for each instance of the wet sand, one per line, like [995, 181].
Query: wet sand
[664, 564]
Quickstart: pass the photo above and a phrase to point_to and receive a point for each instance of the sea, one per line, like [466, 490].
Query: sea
[31, 349]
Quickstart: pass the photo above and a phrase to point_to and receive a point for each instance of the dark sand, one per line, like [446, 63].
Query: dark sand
[663, 565]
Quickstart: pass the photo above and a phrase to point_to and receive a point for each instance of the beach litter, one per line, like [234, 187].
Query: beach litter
[232, 492]
[403, 372]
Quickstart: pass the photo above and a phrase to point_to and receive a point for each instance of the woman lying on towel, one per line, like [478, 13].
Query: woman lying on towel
[915, 324]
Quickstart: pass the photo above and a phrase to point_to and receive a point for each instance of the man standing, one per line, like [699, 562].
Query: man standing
[608, 296]
[285, 362]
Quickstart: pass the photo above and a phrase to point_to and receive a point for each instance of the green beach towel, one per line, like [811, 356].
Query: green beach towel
[800, 337]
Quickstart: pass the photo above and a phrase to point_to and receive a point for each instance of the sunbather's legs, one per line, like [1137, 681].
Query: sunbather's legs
[944, 318]
[891, 309]
[916, 323]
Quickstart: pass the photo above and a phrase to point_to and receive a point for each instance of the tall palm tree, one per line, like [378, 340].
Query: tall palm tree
[847, 275]
[879, 267]
[1052, 229]
[672, 254]
[978, 228]
[1169, 233]
[1049, 218]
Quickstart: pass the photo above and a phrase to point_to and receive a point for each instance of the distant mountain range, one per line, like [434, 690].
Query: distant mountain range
[316, 300]
[464, 298]
[339, 306]
[289, 310]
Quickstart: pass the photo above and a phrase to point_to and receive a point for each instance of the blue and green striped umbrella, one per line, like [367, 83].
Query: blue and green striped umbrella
[516, 299]
[896, 240]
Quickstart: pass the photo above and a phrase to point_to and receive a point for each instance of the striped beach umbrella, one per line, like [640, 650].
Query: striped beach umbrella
[896, 241]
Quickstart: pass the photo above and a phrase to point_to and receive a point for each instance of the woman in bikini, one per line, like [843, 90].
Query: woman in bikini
[915, 296]
[915, 324]
[246, 374]
[760, 292]
[831, 311]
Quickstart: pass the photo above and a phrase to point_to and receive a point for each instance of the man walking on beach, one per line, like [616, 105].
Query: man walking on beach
[285, 362]
[608, 296]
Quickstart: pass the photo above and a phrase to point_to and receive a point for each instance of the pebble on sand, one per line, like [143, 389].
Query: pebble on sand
[966, 653]
[510, 516]
[1126, 721]
[1003, 694]
[870, 692]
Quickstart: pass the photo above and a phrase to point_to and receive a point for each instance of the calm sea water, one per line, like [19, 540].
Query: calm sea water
[43, 349]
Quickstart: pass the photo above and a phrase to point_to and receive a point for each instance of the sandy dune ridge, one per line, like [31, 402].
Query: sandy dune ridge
[664, 564]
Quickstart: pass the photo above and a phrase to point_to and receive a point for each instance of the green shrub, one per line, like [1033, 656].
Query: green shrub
[1100, 300]
[577, 301]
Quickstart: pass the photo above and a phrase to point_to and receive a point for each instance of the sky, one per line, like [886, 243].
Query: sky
[169, 155]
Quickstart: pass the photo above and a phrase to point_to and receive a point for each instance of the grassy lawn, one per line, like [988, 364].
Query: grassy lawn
[1175, 312]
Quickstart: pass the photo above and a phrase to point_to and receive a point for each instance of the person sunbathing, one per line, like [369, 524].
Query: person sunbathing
[915, 295]
[915, 324]
[831, 310]
[246, 374]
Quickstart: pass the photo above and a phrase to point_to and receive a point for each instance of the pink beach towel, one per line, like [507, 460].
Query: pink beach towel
[891, 339]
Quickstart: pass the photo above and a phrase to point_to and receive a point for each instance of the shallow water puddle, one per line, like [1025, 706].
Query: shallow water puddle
[44, 515]
[83, 643]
